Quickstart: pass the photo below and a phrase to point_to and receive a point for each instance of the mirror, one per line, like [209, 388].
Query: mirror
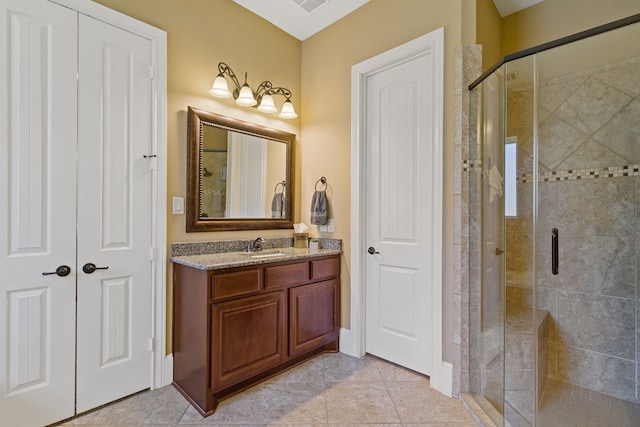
[239, 174]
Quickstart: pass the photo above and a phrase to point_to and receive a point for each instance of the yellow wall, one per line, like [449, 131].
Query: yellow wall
[554, 19]
[489, 26]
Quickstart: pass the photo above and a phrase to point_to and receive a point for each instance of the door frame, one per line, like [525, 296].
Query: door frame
[433, 42]
[161, 367]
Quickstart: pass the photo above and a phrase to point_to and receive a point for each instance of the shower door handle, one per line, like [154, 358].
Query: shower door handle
[554, 251]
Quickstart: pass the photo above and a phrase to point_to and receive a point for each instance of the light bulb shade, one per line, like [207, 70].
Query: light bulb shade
[267, 105]
[287, 111]
[220, 88]
[245, 98]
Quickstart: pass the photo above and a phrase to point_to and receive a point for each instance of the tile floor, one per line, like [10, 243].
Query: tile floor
[330, 389]
[567, 405]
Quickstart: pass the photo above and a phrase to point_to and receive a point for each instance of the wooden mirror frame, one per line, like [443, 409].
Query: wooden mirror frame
[195, 223]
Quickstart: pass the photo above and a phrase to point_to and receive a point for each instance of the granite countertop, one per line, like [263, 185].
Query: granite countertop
[216, 261]
[219, 254]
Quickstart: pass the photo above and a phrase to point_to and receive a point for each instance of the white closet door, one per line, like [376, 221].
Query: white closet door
[37, 211]
[114, 210]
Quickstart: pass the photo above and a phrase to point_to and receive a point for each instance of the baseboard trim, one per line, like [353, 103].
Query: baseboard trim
[442, 380]
[168, 370]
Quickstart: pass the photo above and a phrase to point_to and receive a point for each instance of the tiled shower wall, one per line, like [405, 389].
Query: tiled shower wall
[468, 66]
[589, 188]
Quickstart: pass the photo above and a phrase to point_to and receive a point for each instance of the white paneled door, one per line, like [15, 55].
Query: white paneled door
[37, 212]
[400, 200]
[114, 213]
[75, 191]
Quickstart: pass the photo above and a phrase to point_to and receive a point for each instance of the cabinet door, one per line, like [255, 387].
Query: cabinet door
[248, 337]
[313, 318]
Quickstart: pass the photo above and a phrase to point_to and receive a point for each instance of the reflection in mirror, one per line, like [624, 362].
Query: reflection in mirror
[240, 175]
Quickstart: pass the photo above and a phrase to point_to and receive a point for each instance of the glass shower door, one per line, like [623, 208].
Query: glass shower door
[522, 318]
[487, 247]
[588, 112]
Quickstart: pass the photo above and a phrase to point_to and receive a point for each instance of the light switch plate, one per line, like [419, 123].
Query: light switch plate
[328, 227]
[177, 205]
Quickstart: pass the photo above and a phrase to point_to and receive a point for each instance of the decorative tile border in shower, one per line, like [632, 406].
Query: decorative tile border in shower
[469, 165]
[578, 174]
[566, 175]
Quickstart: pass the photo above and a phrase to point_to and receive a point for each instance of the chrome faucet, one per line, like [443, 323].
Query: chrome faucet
[256, 245]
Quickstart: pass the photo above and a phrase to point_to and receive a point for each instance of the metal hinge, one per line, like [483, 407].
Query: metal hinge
[152, 344]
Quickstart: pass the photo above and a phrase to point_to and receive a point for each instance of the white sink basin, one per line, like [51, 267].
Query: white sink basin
[267, 255]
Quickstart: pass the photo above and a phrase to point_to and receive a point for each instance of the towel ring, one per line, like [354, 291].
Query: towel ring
[322, 180]
[275, 190]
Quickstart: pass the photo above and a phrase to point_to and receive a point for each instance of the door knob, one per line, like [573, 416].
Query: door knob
[91, 267]
[372, 250]
[61, 271]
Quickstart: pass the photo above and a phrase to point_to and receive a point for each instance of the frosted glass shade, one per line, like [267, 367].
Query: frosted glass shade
[267, 105]
[246, 97]
[220, 88]
[287, 111]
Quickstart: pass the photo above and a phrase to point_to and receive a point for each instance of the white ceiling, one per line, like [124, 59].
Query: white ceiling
[304, 18]
[507, 7]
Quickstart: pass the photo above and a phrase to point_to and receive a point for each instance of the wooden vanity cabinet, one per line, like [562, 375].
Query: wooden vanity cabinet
[235, 327]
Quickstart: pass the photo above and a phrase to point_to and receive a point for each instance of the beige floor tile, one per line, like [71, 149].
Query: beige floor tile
[392, 372]
[346, 368]
[359, 402]
[267, 404]
[164, 406]
[416, 402]
[330, 390]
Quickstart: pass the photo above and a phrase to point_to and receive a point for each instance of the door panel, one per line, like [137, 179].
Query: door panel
[247, 337]
[398, 286]
[313, 318]
[114, 192]
[399, 198]
[37, 211]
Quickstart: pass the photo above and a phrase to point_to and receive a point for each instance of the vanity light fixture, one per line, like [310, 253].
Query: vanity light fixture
[245, 96]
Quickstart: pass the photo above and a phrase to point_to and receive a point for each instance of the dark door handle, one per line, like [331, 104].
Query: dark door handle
[61, 271]
[372, 250]
[554, 251]
[91, 267]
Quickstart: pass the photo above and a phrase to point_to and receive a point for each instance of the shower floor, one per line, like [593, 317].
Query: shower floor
[567, 405]
[562, 405]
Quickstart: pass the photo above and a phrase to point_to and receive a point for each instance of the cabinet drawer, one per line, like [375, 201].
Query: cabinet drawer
[325, 268]
[234, 284]
[286, 275]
